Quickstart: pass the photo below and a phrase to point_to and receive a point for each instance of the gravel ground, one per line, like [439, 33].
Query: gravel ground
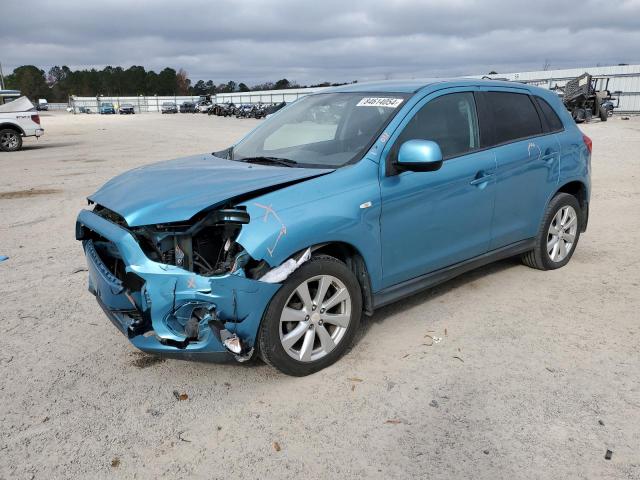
[536, 376]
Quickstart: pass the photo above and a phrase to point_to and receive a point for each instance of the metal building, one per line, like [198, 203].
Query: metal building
[620, 78]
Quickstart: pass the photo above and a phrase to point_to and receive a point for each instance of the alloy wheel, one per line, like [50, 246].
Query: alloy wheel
[315, 318]
[562, 232]
[9, 140]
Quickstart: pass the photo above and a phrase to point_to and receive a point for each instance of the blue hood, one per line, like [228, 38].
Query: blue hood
[176, 190]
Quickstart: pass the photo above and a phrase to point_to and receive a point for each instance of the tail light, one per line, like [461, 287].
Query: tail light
[587, 142]
[36, 118]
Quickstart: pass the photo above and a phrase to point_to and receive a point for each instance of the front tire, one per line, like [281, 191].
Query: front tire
[558, 235]
[10, 140]
[312, 319]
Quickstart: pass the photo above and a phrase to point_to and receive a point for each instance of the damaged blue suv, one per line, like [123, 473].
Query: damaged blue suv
[342, 202]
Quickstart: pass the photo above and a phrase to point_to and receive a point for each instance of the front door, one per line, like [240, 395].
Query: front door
[431, 220]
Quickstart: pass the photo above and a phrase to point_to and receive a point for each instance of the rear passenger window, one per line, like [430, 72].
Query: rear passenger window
[449, 120]
[514, 116]
[553, 121]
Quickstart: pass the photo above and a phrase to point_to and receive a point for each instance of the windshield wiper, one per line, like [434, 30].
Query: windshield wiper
[275, 160]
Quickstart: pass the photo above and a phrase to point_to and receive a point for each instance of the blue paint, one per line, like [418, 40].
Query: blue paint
[3, 258]
[403, 225]
[176, 190]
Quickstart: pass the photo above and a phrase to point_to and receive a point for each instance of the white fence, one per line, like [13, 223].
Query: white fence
[266, 96]
[154, 103]
[140, 103]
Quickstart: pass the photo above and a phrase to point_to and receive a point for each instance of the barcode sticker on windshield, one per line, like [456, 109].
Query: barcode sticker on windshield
[380, 102]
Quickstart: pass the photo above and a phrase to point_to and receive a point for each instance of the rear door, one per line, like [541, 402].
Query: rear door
[527, 158]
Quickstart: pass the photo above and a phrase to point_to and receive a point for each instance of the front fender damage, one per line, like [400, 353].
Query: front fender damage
[187, 290]
[168, 309]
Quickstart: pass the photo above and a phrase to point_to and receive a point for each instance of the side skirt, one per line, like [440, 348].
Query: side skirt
[423, 282]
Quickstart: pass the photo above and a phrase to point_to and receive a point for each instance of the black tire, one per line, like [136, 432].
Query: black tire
[539, 258]
[269, 344]
[603, 114]
[10, 140]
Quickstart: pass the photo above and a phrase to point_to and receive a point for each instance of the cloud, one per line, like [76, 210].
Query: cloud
[254, 41]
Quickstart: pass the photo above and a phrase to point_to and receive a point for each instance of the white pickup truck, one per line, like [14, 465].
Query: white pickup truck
[18, 119]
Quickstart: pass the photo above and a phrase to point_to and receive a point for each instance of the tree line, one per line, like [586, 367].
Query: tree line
[59, 83]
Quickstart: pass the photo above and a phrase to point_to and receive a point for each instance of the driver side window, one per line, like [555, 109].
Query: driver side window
[449, 120]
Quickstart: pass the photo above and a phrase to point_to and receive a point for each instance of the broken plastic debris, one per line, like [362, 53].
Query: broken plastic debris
[233, 344]
[608, 455]
[3, 258]
[276, 446]
[281, 273]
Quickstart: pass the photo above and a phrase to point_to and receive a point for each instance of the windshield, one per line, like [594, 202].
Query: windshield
[322, 130]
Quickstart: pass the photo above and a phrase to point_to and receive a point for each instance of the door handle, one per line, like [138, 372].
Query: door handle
[481, 177]
[549, 155]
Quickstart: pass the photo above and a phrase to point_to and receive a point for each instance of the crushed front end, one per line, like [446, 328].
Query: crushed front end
[184, 290]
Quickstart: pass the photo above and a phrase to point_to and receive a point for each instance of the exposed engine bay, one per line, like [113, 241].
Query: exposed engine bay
[205, 245]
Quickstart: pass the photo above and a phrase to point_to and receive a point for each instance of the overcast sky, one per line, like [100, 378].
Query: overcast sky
[312, 41]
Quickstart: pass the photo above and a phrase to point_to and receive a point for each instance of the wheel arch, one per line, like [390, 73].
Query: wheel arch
[349, 254]
[12, 126]
[579, 190]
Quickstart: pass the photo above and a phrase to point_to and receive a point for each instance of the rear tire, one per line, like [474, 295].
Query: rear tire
[603, 114]
[558, 236]
[10, 140]
[299, 335]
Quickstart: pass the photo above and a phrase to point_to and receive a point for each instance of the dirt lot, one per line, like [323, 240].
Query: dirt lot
[536, 376]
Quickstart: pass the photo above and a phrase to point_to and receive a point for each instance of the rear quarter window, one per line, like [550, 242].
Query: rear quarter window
[513, 116]
[554, 123]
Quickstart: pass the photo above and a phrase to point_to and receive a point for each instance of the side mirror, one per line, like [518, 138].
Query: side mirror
[419, 156]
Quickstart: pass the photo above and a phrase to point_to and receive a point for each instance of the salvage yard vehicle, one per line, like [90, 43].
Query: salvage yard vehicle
[169, 107]
[107, 108]
[582, 98]
[223, 110]
[343, 202]
[18, 119]
[126, 109]
[188, 107]
[274, 108]
[204, 106]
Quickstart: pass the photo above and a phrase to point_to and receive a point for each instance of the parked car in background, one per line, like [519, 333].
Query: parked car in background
[169, 107]
[343, 202]
[204, 106]
[270, 110]
[188, 107]
[42, 105]
[107, 109]
[223, 109]
[18, 119]
[126, 109]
